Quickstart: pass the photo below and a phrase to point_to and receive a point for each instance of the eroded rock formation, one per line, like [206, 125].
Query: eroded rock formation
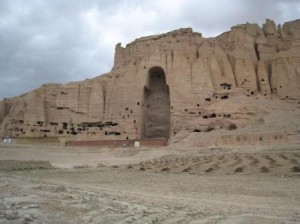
[173, 83]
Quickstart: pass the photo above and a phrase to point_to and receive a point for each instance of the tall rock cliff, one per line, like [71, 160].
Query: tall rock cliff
[164, 85]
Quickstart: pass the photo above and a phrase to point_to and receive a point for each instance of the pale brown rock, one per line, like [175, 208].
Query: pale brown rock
[211, 85]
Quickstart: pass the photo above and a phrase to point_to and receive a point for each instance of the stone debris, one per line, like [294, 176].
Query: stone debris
[24, 165]
[11, 214]
[118, 196]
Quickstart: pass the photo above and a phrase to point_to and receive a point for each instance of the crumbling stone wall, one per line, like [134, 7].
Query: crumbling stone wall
[252, 139]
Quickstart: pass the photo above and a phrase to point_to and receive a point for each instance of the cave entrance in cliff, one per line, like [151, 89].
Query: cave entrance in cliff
[156, 105]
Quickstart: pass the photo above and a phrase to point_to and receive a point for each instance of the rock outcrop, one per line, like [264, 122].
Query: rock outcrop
[164, 85]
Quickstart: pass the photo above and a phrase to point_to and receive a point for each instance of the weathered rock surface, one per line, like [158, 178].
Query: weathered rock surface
[178, 81]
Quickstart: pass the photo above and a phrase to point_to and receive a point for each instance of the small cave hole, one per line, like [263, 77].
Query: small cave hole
[74, 133]
[209, 129]
[232, 127]
[213, 115]
[65, 125]
[224, 97]
[40, 122]
[196, 130]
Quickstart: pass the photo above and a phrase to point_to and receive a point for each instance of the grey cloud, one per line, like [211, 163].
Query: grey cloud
[213, 18]
[44, 42]
[61, 40]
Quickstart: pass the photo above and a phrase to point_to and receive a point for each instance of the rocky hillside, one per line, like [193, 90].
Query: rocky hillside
[245, 80]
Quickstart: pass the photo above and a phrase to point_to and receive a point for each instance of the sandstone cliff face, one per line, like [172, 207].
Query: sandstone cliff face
[165, 84]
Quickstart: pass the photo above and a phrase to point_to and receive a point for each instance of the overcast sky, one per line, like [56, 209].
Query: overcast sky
[46, 41]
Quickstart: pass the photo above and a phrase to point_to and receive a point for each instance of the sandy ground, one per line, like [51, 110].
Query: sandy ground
[165, 185]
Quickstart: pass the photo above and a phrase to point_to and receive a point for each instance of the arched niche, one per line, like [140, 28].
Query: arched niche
[156, 105]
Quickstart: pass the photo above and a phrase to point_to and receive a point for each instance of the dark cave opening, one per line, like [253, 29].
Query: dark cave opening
[157, 96]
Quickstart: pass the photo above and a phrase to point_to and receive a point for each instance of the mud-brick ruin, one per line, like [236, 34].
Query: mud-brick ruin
[175, 85]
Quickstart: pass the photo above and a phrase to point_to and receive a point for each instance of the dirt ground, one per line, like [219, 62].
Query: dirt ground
[52, 184]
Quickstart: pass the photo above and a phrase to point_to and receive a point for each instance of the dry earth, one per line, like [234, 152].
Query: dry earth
[165, 185]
